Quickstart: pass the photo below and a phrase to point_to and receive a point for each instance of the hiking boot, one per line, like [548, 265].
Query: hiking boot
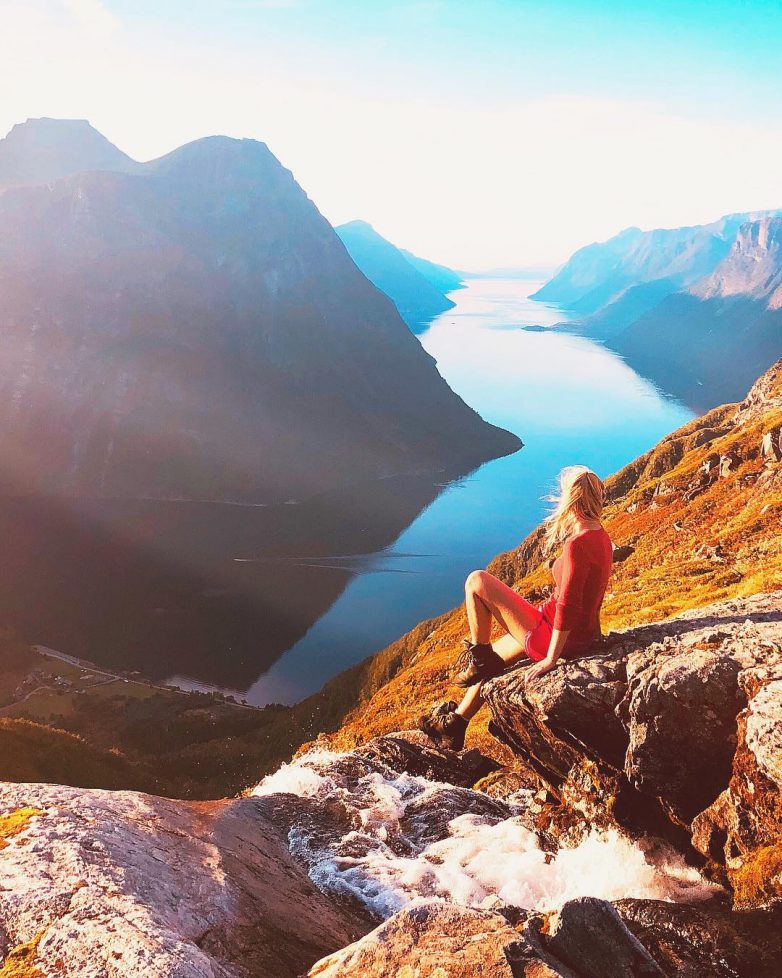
[476, 663]
[444, 726]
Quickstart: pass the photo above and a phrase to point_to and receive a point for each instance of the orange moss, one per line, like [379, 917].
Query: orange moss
[759, 880]
[15, 822]
[20, 960]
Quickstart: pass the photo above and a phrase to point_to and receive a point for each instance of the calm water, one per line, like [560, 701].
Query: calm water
[569, 400]
[270, 602]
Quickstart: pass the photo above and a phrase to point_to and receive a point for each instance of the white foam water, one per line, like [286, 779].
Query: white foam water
[406, 839]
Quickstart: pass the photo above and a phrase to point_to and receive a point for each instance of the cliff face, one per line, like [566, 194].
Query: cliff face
[197, 330]
[407, 281]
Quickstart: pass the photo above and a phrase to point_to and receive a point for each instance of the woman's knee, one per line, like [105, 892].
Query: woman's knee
[476, 581]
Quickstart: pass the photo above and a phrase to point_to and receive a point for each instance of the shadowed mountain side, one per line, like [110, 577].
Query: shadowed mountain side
[407, 284]
[198, 331]
[703, 351]
[705, 345]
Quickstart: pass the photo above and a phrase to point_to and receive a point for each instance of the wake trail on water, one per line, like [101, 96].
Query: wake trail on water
[398, 839]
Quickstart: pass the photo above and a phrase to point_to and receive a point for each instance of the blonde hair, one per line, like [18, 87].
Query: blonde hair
[580, 497]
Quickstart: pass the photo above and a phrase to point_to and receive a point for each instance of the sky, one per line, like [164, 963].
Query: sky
[478, 133]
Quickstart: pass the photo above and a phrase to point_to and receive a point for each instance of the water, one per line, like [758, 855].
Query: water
[569, 399]
[270, 602]
[398, 839]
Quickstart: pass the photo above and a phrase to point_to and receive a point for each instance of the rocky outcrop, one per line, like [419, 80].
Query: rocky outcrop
[97, 883]
[436, 940]
[671, 729]
[195, 329]
[743, 827]
[587, 938]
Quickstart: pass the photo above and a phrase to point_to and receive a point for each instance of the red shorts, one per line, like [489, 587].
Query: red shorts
[538, 640]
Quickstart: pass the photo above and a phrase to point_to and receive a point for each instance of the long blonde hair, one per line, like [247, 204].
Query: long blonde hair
[580, 497]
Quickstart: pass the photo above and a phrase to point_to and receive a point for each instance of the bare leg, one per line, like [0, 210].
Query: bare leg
[487, 598]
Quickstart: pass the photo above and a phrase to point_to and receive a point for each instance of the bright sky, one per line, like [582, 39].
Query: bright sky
[475, 132]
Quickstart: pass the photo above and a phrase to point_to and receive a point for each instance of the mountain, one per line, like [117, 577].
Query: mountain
[42, 150]
[195, 329]
[695, 309]
[408, 283]
[601, 274]
[705, 343]
[442, 278]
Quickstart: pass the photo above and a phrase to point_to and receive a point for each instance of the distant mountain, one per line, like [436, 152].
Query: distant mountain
[633, 270]
[409, 283]
[706, 343]
[195, 329]
[41, 150]
[442, 278]
[691, 308]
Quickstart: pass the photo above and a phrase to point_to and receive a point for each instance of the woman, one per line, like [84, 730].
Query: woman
[562, 628]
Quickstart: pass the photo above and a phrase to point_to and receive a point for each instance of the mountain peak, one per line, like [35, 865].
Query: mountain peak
[44, 149]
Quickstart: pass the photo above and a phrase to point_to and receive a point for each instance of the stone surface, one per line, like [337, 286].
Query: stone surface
[591, 937]
[644, 732]
[412, 751]
[433, 940]
[124, 885]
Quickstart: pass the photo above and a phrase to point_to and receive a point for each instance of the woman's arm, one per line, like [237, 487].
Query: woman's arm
[555, 647]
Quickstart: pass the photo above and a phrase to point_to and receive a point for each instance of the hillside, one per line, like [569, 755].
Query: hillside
[196, 330]
[416, 287]
[696, 520]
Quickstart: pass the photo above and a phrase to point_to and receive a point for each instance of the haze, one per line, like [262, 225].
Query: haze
[477, 134]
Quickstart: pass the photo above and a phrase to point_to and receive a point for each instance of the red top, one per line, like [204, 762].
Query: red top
[581, 577]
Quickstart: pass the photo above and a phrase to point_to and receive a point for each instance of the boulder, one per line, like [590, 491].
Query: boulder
[771, 445]
[433, 940]
[648, 731]
[413, 752]
[707, 939]
[99, 883]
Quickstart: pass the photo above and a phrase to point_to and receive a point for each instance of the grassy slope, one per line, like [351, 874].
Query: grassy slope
[668, 572]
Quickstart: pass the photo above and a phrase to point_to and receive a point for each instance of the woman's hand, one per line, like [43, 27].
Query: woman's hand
[538, 669]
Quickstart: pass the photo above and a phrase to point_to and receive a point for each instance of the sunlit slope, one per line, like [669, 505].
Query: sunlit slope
[697, 519]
